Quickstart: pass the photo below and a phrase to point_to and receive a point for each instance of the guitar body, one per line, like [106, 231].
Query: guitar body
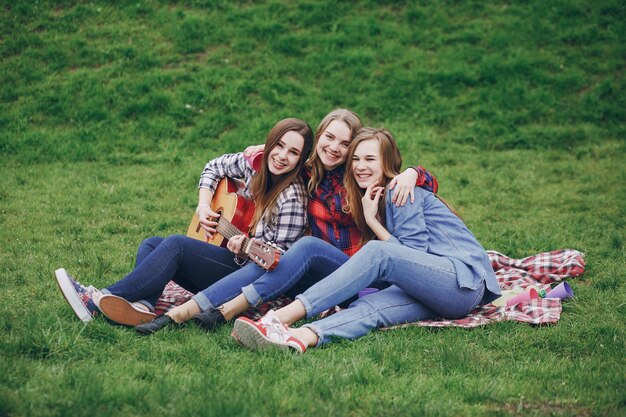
[231, 206]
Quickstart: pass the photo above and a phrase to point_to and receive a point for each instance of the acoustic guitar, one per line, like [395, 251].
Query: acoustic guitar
[236, 214]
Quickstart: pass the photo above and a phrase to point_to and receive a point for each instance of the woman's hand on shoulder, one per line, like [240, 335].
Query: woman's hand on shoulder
[403, 186]
[253, 150]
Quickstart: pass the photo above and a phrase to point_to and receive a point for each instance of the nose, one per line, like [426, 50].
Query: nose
[334, 146]
[282, 154]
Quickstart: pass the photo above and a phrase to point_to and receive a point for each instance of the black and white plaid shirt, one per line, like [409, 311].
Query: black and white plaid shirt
[288, 217]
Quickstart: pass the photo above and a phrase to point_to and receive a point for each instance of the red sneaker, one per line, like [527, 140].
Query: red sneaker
[264, 333]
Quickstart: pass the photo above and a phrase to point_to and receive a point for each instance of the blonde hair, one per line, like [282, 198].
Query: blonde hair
[264, 192]
[391, 162]
[314, 164]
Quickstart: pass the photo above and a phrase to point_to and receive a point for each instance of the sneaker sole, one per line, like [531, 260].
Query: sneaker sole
[72, 298]
[122, 312]
[249, 336]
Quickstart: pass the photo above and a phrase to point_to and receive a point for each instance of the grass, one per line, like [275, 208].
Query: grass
[108, 113]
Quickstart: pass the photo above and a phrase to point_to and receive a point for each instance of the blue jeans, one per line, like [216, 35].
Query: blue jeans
[309, 260]
[423, 286]
[192, 264]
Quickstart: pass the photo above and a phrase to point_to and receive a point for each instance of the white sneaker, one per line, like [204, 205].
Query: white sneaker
[266, 332]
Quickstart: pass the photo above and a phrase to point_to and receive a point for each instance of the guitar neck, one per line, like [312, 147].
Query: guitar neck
[263, 254]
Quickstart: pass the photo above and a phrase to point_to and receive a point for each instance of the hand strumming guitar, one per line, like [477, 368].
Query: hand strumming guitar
[208, 220]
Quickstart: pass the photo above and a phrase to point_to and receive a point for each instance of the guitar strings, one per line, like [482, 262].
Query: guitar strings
[228, 230]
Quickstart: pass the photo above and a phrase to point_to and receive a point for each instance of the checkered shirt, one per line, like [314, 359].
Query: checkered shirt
[327, 218]
[287, 221]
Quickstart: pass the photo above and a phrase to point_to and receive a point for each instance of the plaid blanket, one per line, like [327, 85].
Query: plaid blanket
[539, 270]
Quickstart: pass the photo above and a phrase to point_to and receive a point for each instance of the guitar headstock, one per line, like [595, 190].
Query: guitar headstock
[264, 254]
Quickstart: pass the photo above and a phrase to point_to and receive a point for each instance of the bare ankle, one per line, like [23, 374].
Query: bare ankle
[184, 312]
[234, 307]
[228, 315]
[291, 313]
[305, 335]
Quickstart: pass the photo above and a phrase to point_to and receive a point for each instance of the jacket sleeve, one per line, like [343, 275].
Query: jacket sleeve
[407, 224]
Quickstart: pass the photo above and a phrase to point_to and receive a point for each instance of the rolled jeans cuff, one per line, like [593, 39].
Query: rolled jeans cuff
[203, 302]
[252, 295]
[307, 305]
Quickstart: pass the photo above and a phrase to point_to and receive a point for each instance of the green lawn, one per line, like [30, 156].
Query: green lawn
[108, 113]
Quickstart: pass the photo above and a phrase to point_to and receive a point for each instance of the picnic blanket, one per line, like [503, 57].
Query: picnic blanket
[539, 270]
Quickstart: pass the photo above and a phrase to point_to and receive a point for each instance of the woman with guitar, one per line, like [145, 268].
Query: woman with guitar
[279, 217]
[335, 235]
[433, 264]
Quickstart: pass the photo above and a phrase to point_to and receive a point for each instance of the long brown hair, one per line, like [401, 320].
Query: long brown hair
[391, 162]
[264, 191]
[314, 164]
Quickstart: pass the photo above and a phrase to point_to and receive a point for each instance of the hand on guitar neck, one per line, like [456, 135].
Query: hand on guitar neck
[235, 245]
[228, 214]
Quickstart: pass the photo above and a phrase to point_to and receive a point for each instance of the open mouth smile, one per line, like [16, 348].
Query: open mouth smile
[278, 165]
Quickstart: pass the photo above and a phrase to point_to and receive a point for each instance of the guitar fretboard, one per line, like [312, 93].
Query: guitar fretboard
[228, 230]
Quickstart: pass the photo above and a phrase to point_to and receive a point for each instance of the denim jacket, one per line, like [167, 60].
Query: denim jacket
[429, 226]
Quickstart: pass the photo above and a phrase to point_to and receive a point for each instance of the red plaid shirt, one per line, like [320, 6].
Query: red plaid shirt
[327, 219]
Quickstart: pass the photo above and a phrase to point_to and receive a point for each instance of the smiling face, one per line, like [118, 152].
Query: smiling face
[332, 146]
[367, 166]
[284, 157]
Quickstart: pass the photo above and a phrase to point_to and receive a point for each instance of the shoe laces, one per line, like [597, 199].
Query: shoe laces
[274, 328]
[85, 293]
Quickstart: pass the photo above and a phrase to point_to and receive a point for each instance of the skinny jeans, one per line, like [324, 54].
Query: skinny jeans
[306, 262]
[422, 286]
[192, 264]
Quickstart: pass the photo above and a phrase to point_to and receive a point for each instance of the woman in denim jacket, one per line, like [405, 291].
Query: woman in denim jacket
[433, 263]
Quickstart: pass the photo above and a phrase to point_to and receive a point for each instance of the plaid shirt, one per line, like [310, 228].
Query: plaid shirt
[327, 219]
[287, 221]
